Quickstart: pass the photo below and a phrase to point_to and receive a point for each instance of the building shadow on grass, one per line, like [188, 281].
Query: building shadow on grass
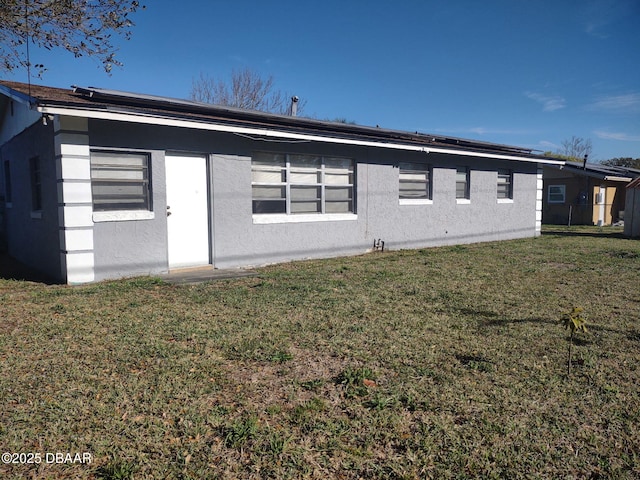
[12, 269]
[491, 319]
[559, 232]
[488, 318]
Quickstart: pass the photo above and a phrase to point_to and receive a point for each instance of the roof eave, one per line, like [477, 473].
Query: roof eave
[594, 174]
[612, 178]
[154, 119]
[17, 96]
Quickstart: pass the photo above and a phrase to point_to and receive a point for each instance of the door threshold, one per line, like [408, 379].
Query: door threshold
[197, 268]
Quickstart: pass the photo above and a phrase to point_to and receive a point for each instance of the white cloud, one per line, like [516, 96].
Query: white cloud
[625, 137]
[549, 103]
[545, 145]
[629, 102]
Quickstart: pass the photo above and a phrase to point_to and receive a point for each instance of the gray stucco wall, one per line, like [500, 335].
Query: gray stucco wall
[125, 248]
[33, 237]
[238, 241]
[135, 247]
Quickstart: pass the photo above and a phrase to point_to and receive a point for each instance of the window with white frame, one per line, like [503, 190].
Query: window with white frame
[556, 193]
[301, 184]
[414, 181]
[505, 184]
[120, 181]
[462, 183]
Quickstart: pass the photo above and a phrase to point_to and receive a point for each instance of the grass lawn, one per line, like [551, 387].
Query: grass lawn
[437, 363]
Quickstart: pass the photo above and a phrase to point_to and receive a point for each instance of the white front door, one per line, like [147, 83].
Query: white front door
[187, 210]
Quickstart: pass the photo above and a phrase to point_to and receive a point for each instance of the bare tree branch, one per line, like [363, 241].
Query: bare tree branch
[576, 147]
[246, 89]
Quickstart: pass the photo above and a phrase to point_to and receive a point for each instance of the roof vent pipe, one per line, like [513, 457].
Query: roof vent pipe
[584, 161]
[294, 106]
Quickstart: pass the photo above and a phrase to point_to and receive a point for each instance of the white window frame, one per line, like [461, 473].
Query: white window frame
[508, 174]
[467, 189]
[408, 173]
[125, 213]
[562, 190]
[283, 165]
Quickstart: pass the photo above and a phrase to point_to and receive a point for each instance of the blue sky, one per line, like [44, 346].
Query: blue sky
[521, 72]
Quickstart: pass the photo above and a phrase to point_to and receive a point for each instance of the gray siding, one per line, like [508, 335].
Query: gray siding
[126, 248]
[33, 239]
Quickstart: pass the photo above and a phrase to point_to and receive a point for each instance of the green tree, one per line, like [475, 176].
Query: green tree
[623, 162]
[82, 27]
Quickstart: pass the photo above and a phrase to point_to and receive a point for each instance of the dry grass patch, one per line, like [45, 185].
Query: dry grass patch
[436, 363]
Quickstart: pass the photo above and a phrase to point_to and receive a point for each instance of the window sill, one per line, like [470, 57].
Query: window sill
[416, 201]
[36, 214]
[505, 200]
[123, 216]
[264, 219]
[463, 201]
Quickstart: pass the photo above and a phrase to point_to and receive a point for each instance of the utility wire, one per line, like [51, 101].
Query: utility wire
[26, 23]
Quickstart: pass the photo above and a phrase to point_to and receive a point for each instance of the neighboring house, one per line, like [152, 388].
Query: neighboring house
[632, 210]
[100, 184]
[585, 194]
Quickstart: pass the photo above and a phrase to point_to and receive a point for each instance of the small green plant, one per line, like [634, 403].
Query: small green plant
[313, 385]
[356, 381]
[117, 470]
[240, 432]
[275, 444]
[380, 402]
[280, 356]
[574, 321]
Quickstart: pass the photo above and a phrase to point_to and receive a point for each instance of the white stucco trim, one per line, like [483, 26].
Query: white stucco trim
[77, 240]
[73, 168]
[73, 175]
[175, 122]
[79, 267]
[415, 201]
[539, 195]
[123, 216]
[74, 192]
[265, 219]
[73, 216]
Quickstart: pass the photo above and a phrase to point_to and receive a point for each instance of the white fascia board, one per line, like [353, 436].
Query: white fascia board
[175, 122]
